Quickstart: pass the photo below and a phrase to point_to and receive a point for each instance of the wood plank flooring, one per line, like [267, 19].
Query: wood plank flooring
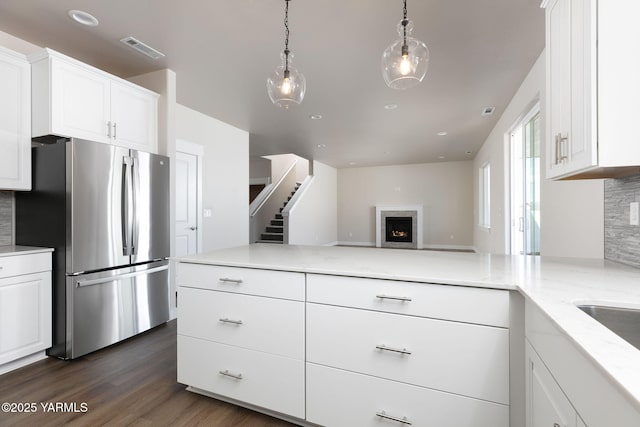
[131, 383]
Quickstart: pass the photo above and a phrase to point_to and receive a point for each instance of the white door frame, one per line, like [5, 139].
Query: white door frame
[198, 151]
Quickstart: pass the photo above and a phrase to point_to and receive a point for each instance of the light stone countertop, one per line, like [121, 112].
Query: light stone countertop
[555, 285]
[12, 250]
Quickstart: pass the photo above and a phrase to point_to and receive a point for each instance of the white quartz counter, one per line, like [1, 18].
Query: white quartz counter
[12, 250]
[555, 285]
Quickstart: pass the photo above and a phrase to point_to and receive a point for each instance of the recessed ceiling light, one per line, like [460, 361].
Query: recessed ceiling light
[391, 106]
[352, 163]
[315, 117]
[443, 133]
[84, 18]
[441, 157]
[321, 145]
[468, 152]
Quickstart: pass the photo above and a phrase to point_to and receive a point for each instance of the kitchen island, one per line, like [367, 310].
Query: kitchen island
[502, 297]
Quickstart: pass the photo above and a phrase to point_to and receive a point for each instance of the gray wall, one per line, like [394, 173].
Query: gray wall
[621, 240]
[444, 189]
[6, 217]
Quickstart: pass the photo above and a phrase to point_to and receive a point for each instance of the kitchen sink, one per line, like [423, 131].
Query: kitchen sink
[625, 322]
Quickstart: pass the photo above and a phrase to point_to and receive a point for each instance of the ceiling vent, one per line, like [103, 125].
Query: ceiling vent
[487, 111]
[142, 48]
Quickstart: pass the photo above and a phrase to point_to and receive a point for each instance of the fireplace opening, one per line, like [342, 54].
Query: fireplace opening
[399, 229]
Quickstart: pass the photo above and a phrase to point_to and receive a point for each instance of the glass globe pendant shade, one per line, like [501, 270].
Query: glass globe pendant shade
[286, 85]
[405, 61]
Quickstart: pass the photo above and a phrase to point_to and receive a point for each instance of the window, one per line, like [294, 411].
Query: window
[484, 211]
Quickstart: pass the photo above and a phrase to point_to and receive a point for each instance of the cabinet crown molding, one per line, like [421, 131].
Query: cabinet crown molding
[46, 52]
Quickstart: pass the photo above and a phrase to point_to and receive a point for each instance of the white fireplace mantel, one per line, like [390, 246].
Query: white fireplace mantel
[400, 208]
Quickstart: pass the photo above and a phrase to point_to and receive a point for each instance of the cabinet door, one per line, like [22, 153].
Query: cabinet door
[582, 143]
[134, 114]
[342, 398]
[15, 123]
[80, 102]
[558, 28]
[272, 382]
[424, 352]
[25, 315]
[243, 320]
[571, 87]
[546, 404]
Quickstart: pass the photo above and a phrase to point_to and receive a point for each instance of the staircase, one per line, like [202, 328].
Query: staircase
[274, 233]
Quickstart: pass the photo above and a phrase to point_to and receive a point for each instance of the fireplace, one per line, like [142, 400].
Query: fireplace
[399, 227]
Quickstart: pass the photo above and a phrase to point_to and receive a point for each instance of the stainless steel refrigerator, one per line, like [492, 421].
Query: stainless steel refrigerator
[105, 210]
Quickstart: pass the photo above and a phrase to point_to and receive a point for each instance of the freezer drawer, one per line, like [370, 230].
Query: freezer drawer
[110, 306]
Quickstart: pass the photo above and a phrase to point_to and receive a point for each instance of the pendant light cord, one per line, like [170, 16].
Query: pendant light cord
[405, 22]
[286, 37]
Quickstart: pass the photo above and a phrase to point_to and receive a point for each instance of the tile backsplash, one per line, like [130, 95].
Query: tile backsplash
[6, 217]
[621, 240]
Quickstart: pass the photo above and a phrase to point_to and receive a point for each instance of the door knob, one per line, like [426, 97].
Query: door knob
[193, 228]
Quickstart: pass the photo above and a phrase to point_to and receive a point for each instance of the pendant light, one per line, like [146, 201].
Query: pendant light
[405, 61]
[286, 85]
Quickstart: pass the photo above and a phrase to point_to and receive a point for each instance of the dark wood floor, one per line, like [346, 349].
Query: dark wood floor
[132, 383]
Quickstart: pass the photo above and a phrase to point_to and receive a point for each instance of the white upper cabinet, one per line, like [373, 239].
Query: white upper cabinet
[15, 118]
[72, 99]
[592, 88]
[134, 115]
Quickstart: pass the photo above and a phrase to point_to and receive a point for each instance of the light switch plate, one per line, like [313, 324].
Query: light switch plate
[207, 213]
[634, 213]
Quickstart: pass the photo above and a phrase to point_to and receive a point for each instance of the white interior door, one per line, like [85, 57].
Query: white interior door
[186, 203]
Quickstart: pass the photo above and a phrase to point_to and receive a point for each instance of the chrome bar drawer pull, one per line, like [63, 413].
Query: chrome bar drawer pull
[382, 296]
[227, 280]
[226, 373]
[395, 350]
[403, 420]
[235, 322]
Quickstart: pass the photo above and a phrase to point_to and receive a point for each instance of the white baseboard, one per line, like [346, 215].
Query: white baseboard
[433, 247]
[24, 361]
[436, 247]
[364, 244]
[259, 181]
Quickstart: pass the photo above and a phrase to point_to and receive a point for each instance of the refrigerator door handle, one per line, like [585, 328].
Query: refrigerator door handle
[135, 186]
[91, 282]
[126, 202]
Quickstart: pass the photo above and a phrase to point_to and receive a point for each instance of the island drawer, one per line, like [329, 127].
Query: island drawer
[460, 358]
[459, 303]
[269, 283]
[261, 379]
[19, 264]
[340, 398]
[265, 324]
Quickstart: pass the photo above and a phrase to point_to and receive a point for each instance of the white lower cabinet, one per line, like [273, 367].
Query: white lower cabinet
[257, 378]
[341, 398]
[466, 359]
[241, 336]
[25, 308]
[342, 351]
[266, 324]
[547, 405]
[384, 352]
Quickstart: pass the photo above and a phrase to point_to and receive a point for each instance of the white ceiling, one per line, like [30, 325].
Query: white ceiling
[223, 51]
